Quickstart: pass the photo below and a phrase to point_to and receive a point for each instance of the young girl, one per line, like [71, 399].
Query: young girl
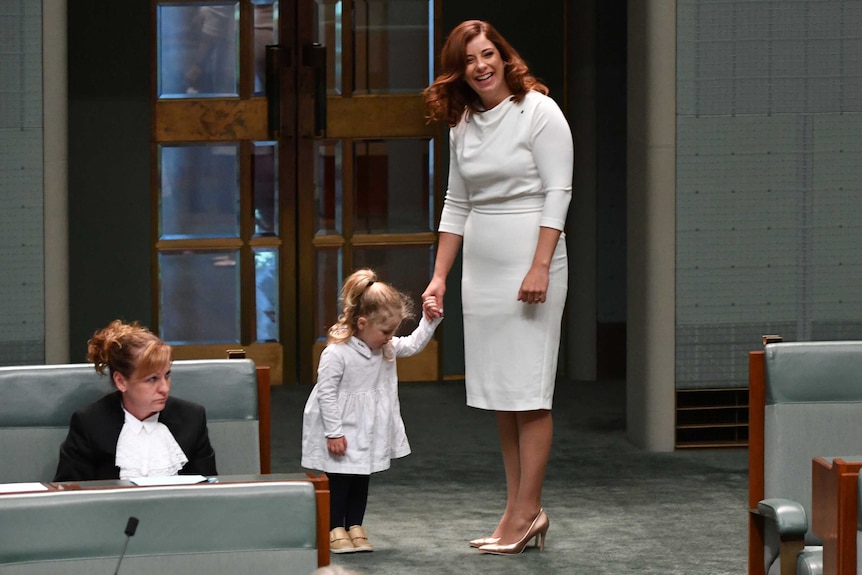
[352, 423]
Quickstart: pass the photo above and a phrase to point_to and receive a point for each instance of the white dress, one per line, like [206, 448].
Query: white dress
[510, 173]
[356, 395]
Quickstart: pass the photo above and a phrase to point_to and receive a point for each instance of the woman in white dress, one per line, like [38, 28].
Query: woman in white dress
[510, 183]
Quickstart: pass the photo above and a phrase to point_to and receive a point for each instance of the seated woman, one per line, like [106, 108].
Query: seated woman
[137, 430]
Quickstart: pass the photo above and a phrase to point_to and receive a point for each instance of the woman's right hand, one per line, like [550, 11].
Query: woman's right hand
[436, 289]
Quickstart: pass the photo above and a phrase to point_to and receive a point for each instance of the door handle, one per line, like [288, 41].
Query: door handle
[314, 56]
[273, 90]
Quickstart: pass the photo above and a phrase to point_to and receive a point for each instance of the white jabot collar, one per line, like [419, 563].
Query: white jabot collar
[147, 449]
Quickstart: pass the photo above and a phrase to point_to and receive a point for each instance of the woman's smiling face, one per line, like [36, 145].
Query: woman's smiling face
[485, 71]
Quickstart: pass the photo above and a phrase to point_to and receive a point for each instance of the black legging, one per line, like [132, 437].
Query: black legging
[348, 497]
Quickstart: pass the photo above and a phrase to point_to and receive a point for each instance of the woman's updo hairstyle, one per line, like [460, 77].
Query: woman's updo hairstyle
[127, 349]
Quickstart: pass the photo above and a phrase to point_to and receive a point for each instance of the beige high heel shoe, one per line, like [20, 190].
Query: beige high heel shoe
[537, 529]
[483, 541]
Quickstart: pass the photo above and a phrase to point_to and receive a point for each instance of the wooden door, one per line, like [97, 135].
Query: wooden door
[289, 147]
[370, 200]
[221, 247]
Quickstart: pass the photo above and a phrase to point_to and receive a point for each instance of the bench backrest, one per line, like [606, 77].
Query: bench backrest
[261, 527]
[37, 402]
[813, 408]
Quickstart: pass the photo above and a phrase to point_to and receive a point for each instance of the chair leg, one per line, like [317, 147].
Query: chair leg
[789, 550]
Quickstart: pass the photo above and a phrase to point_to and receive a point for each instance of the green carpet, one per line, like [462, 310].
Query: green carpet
[613, 508]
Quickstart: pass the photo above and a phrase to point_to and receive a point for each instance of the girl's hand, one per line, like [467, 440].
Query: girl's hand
[436, 289]
[336, 445]
[430, 307]
[534, 288]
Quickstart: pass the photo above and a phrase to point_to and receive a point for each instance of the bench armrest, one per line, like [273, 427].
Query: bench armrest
[789, 516]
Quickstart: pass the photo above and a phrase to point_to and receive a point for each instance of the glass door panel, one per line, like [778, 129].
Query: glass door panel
[198, 49]
[393, 186]
[199, 297]
[392, 40]
[328, 33]
[264, 170]
[328, 188]
[329, 265]
[199, 191]
[267, 304]
[265, 34]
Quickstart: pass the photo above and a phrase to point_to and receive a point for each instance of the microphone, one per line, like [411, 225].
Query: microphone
[131, 527]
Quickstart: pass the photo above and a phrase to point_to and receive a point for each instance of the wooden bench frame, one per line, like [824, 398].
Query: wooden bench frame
[834, 497]
[756, 482]
[756, 406]
[834, 511]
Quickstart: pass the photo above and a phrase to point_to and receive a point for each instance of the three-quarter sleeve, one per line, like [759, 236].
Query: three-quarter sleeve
[553, 152]
[456, 205]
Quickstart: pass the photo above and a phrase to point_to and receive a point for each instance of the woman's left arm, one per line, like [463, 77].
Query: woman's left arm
[534, 288]
[202, 459]
[553, 152]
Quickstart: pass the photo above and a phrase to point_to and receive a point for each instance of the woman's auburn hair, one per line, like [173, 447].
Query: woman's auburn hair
[449, 95]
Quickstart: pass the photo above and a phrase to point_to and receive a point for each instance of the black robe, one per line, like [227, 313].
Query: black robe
[90, 449]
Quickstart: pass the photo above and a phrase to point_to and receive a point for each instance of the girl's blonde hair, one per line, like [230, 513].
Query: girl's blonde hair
[127, 348]
[363, 296]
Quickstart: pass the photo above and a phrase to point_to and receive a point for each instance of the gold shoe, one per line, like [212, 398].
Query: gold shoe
[339, 541]
[483, 541]
[537, 529]
[359, 539]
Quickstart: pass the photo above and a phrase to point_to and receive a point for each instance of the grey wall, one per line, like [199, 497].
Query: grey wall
[769, 176]
[22, 246]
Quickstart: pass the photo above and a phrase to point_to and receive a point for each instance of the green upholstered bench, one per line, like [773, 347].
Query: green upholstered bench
[206, 529]
[805, 402]
[37, 402]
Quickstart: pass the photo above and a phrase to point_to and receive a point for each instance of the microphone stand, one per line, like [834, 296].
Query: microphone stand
[131, 527]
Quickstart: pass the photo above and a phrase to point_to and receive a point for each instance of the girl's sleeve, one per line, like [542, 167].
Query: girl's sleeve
[416, 341]
[329, 374]
[456, 205]
[554, 154]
